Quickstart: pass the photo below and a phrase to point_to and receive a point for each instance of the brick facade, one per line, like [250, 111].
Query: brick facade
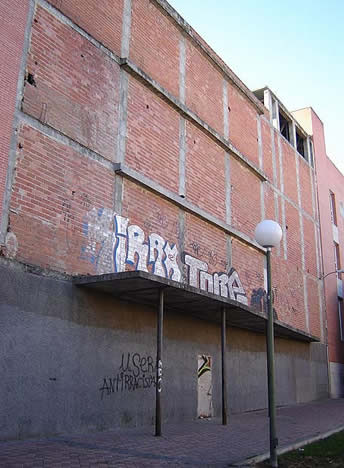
[72, 111]
[138, 148]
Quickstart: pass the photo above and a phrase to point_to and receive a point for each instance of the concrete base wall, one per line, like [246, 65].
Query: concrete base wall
[336, 379]
[75, 360]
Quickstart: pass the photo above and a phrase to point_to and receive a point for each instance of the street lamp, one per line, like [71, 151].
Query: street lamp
[331, 273]
[268, 234]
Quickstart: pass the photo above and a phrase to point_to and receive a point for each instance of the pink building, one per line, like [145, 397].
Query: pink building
[331, 207]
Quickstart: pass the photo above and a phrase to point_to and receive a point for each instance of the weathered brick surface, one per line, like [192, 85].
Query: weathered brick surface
[63, 201]
[205, 172]
[269, 202]
[293, 235]
[243, 124]
[305, 186]
[154, 44]
[289, 171]
[249, 264]
[150, 212]
[313, 306]
[153, 137]
[266, 147]
[207, 243]
[245, 198]
[76, 86]
[204, 88]
[310, 252]
[287, 283]
[53, 191]
[12, 30]
[102, 20]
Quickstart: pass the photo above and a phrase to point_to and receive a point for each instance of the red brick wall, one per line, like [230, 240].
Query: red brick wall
[310, 251]
[102, 20]
[204, 88]
[313, 306]
[305, 187]
[63, 201]
[76, 86]
[206, 243]
[153, 137]
[54, 188]
[293, 235]
[245, 191]
[13, 22]
[289, 171]
[243, 124]
[205, 172]
[154, 44]
[267, 150]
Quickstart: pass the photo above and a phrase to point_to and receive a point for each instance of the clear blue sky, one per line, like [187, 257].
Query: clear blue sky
[295, 47]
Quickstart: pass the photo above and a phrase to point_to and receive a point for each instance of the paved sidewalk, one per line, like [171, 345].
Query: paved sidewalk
[199, 443]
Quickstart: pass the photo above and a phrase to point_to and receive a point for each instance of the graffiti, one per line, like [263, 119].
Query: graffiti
[158, 218]
[11, 245]
[205, 366]
[209, 254]
[135, 372]
[113, 243]
[259, 301]
[85, 201]
[131, 247]
[67, 211]
[159, 375]
[223, 284]
[98, 228]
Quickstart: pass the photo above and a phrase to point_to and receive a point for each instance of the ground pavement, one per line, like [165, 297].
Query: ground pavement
[198, 443]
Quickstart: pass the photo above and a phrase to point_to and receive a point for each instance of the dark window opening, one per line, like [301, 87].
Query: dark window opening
[300, 144]
[333, 208]
[284, 127]
[336, 257]
[311, 157]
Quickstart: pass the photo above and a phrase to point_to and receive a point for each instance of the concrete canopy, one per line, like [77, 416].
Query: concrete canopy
[143, 288]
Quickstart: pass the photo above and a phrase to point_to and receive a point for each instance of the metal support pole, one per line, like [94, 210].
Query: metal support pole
[271, 369]
[223, 364]
[158, 386]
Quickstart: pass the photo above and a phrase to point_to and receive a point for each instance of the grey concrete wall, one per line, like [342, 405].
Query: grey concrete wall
[58, 343]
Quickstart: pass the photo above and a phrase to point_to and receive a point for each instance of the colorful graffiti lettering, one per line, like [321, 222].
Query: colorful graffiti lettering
[113, 243]
[205, 366]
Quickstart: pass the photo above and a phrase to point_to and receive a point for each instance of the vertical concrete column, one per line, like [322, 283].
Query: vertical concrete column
[274, 176]
[13, 143]
[182, 121]
[275, 114]
[123, 105]
[316, 222]
[302, 238]
[280, 158]
[228, 187]
[268, 102]
[181, 241]
[182, 151]
[292, 133]
[260, 142]
[261, 165]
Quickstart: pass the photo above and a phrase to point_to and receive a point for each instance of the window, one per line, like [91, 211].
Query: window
[333, 208]
[300, 144]
[284, 126]
[311, 156]
[336, 256]
[341, 318]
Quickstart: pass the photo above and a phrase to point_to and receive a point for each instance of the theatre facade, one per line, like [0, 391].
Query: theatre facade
[137, 167]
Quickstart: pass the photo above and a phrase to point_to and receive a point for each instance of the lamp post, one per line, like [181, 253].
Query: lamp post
[268, 234]
[332, 272]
